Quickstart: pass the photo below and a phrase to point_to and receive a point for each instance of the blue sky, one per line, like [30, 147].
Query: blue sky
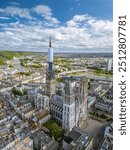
[75, 25]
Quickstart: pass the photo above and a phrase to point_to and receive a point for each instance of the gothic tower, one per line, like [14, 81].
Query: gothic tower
[50, 78]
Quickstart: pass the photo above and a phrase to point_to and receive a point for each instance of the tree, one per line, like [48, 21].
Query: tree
[55, 129]
[103, 116]
[19, 93]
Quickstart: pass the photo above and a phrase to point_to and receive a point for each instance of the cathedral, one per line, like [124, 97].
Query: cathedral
[67, 99]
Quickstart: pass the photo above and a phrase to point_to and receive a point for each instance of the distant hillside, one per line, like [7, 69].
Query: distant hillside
[8, 55]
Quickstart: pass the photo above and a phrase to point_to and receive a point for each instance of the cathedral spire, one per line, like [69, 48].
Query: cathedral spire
[50, 42]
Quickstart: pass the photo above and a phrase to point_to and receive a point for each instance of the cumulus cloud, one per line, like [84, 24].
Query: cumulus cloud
[16, 11]
[78, 20]
[81, 33]
[101, 25]
[43, 10]
[46, 12]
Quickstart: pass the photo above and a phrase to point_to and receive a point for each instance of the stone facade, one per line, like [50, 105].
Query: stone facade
[69, 104]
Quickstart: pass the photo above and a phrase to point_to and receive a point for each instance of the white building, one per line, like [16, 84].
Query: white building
[110, 63]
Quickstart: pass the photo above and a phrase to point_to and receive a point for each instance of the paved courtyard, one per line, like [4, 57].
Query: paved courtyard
[92, 126]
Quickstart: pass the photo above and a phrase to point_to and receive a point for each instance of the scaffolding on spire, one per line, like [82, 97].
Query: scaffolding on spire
[50, 42]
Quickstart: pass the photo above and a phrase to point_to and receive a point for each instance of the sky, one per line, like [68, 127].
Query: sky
[74, 25]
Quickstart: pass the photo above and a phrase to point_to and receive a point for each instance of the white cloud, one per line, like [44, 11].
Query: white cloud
[72, 23]
[81, 33]
[16, 11]
[52, 19]
[43, 10]
[95, 26]
[101, 25]
[4, 18]
[78, 19]
[46, 12]
[64, 38]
